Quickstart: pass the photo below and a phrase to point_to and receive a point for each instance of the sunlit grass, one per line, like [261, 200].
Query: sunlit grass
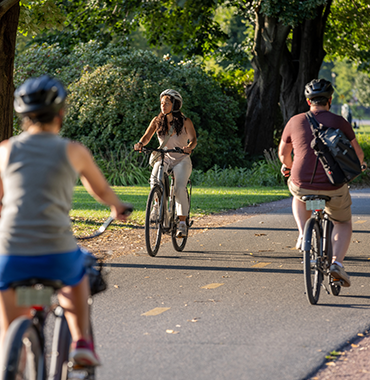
[87, 214]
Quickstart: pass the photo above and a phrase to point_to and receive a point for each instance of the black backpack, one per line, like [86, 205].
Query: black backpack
[335, 153]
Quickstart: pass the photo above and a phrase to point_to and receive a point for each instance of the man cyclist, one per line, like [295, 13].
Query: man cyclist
[38, 172]
[297, 137]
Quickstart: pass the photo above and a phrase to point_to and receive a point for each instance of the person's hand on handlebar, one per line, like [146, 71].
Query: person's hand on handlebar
[138, 146]
[122, 211]
[285, 171]
[187, 149]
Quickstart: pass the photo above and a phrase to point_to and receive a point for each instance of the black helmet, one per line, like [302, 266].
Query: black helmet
[318, 88]
[42, 98]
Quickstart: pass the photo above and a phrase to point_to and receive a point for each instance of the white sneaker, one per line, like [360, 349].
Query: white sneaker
[154, 215]
[182, 230]
[299, 242]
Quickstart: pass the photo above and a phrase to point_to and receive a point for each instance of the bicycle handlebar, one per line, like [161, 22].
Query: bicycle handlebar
[163, 150]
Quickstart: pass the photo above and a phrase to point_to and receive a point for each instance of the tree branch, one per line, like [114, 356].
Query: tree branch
[5, 5]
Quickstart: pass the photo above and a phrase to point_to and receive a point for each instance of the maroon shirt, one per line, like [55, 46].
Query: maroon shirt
[298, 132]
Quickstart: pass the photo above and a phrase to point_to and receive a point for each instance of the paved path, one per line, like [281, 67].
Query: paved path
[231, 307]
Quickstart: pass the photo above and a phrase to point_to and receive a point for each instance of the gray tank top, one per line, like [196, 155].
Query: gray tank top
[38, 188]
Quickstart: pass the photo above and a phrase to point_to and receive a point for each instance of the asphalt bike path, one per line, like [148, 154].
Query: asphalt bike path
[231, 306]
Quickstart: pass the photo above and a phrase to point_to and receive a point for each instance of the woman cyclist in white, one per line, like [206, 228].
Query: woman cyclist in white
[183, 136]
[38, 173]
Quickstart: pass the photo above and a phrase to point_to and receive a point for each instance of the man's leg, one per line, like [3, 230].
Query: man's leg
[341, 238]
[301, 215]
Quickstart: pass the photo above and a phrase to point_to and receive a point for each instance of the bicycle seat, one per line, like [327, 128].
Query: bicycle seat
[55, 284]
[314, 197]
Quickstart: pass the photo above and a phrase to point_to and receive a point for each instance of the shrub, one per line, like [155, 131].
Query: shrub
[114, 94]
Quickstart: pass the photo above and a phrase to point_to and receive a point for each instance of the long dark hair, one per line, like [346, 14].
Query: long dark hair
[177, 121]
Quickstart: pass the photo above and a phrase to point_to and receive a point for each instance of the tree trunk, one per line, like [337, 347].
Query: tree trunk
[263, 95]
[302, 63]
[8, 33]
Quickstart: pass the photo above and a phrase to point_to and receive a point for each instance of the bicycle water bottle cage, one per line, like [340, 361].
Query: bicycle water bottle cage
[315, 202]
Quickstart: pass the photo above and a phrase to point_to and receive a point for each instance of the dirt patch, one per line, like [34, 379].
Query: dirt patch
[353, 362]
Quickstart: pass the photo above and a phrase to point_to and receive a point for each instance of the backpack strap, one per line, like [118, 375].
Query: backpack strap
[314, 125]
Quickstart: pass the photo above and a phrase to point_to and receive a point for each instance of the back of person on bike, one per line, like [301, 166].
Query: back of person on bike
[183, 136]
[297, 137]
[39, 170]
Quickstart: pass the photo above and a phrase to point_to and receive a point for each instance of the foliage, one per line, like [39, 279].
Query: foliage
[124, 167]
[39, 15]
[362, 85]
[348, 30]
[262, 173]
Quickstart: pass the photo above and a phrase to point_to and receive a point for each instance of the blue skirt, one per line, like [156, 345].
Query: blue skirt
[67, 267]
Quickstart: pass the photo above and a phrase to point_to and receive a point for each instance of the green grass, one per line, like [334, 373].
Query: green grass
[87, 214]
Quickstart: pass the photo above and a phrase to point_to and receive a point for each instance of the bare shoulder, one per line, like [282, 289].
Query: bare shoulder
[78, 155]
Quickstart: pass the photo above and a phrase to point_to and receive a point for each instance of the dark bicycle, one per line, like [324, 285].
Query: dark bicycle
[24, 355]
[317, 249]
[161, 217]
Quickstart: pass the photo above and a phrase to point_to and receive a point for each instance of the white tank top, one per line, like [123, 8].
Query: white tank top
[174, 141]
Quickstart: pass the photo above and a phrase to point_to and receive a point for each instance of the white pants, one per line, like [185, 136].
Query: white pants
[182, 172]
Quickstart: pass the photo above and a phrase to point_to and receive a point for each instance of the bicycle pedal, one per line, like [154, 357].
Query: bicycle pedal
[337, 282]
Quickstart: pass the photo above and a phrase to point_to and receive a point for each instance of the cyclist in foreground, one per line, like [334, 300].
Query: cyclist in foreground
[297, 137]
[38, 171]
[183, 135]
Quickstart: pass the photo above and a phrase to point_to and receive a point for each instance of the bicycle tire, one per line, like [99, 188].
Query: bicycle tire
[60, 347]
[178, 243]
[312, 260]
[23, 352]
[153, 228]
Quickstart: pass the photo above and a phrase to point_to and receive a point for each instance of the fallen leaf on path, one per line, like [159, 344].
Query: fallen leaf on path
[172, 332]
[259, 234]
[116, 286]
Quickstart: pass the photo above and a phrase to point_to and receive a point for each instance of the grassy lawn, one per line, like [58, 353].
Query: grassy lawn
[87, 214]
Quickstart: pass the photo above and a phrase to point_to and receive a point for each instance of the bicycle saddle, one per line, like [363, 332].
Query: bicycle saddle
[315, 197]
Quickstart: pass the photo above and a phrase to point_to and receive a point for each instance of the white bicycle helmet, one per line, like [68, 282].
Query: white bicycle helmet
[174, 95]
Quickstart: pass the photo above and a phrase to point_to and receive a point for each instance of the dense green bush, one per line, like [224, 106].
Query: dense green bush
[114, 94]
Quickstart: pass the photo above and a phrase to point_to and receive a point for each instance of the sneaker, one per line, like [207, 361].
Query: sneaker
[299, 242]
[182, 230]
[339, 273]
[154, 215]
[83, 354]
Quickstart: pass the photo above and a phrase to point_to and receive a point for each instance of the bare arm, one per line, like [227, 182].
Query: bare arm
[285, 155]
[192, 136]
[93, 179]
[147, 136]
[4, 157]
[358, 150]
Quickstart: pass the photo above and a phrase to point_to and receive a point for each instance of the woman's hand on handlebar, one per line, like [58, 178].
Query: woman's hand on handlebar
[187, 150]
[138, 146]
[122, 211]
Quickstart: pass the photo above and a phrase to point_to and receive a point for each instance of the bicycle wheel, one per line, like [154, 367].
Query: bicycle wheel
[60, 347]
[153, 224]
[23, 352]
[312, 261]
[178, 243]
[334, 286]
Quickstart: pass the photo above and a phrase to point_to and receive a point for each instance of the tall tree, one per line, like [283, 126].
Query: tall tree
[9, 16]
[37, 15]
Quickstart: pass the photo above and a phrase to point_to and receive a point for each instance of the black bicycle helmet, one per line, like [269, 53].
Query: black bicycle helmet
[40, 98]
[174, 95]
[318, 88]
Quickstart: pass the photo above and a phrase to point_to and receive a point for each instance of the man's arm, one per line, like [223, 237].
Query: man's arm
[285, 156]
[358, 150]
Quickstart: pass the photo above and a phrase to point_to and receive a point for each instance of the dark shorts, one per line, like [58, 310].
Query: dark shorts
[67, 267]
[339, 206]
